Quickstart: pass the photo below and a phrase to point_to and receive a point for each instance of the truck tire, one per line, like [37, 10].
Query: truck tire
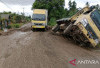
[56, 28]
[67, 29]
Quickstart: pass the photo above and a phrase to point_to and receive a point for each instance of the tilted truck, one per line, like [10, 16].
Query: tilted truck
[39, 18]
[83, 27]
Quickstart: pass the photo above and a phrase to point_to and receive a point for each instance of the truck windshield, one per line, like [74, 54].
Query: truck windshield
[96, 18]
[39, 17]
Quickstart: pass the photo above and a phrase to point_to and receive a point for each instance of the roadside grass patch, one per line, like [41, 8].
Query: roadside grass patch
[17, 25]
[9, 27]
[99, 45]
[52, 22]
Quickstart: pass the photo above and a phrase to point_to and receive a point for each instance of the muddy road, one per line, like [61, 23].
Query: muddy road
[24, 48]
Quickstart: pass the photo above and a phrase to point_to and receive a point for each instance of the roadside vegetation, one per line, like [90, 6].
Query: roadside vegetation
[13, 21]
[98, 45]
[52, 21]
[56, 9]
[16, 25]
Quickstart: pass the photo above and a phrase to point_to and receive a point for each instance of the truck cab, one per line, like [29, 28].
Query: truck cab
[89, 25]
[83, 27]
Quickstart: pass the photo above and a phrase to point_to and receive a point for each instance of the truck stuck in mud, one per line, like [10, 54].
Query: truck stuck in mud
[83, 27]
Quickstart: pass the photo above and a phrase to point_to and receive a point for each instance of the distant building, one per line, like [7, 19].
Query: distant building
[5, 19]
[5, 16]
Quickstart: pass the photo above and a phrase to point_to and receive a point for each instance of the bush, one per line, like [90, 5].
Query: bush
[16, 25]
[52, 22]
[99, 44]
[9, 27]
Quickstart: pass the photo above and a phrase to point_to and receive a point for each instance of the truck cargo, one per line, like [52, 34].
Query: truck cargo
[83, 27]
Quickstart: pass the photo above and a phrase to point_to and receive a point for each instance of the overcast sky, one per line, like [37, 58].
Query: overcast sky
[18, 5]
[81, 3]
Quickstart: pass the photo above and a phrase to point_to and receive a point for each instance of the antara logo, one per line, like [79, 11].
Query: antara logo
[74, 62]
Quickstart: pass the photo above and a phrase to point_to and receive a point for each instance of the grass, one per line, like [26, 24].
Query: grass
[12, 25]
[99, 45]
[17, 25]
[0, 30]
[52, 22]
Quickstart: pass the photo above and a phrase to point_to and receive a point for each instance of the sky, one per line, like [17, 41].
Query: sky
[19, 5]
[81, 3]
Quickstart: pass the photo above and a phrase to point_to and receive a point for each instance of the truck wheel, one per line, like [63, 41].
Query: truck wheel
[44, 29]
[67, 29]
[32, 29]
[56, 28]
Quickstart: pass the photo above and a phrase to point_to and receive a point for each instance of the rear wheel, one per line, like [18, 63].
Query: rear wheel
[44, 29]
[67, 29]
[56, 28]
[33, 29]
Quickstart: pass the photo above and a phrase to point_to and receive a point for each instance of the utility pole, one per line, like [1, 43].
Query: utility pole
[18, 12]
[23, 15]
[23, 11]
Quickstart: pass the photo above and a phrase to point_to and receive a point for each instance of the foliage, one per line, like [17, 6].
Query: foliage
[98, 45]
[16, 25]
[9, 26]
[52, 22]
[55, 7]
[72, 8]
[87, 4]
[97, 7]
[16, 18]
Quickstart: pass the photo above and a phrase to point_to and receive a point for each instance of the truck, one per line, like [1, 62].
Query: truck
[83, 27]
[39, 19]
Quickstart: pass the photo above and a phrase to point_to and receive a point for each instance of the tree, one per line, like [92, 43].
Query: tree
[87, 4]
[66, 12]
[70, 4]
[74, 5]
[72, 8]
[97, 7]
[55, 7]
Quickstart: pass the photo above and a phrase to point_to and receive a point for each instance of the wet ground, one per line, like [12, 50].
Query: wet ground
[23, 48]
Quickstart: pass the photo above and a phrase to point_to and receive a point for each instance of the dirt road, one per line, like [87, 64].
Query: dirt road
[26, 49]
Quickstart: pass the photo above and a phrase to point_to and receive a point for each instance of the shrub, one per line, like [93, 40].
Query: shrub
[16, 25]
[9, 27]
[52, 22]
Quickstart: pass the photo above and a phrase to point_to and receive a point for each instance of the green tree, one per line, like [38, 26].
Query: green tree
[55, 7]
[72, 8]
[70, 4]
[66, 12]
